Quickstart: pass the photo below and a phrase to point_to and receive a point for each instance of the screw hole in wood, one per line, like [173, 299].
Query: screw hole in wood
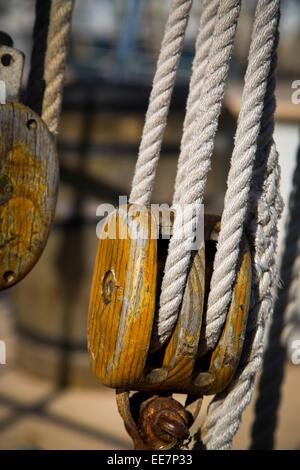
[31, 124]
[6, 60]
[9, 277]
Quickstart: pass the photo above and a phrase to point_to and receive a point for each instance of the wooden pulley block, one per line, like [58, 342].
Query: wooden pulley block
[224, 359]
[176, 370]
[28, 177]
[122, 298]
[122, 308]
[180, 368]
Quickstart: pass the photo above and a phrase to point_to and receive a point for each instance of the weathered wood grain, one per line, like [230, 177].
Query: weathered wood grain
[226, 355]
[122, 300]
[180, 371]
[122, 308]
[121, 315]
[29, 161]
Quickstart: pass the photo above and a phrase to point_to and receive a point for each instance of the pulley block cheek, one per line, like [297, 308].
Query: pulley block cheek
[225, 357]
[28, 178]
[122, 309]
[120, 328]
[122, 299]
[180, 354]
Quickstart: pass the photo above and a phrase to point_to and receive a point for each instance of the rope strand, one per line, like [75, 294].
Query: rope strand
[274, 357]
[208, 18]
[159, 102]
[55, 61]
[197, 164]
[265, 206]
[241, 169]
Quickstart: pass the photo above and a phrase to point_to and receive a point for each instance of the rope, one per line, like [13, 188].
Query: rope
[159, 102]
[252, 195]
[265, 206]
[55, 60]
[208, 17]
[46, 79]
[225, 410]
[242, 161]
[275, 354]
[195, 157]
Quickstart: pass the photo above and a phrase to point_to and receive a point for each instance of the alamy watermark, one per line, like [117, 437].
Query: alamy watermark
[295, 352]
[181, 221]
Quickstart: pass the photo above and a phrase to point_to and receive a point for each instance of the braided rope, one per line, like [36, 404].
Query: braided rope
[275, 354]
[55, 61]
[156, 117]
[199, 151]
[265, 206]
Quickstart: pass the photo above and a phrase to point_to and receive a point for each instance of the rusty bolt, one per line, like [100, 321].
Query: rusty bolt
[163, 423]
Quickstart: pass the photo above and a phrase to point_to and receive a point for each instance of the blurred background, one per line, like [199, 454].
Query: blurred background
[49, 398]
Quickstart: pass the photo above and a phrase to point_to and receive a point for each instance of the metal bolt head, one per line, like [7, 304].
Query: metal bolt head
[163, 420]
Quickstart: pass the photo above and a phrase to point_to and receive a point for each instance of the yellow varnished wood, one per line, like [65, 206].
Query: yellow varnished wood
[118, 342]
[181, 351]
[122, 309]
[122, 301]
[179, 370]
[226, 355]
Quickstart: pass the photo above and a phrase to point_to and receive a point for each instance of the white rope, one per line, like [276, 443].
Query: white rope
[51, 36]
[199, 151]
[225, 410]
[55, 61]
[269, 388]
[239, 178]
[208, 17]
[156, 117]
[265, 205]
[254, 156]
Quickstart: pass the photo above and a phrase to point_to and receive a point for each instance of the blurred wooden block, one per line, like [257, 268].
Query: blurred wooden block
[29, 176]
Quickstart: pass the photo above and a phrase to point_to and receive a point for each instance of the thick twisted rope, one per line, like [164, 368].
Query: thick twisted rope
[50, 46]
[269, 389]
[55, 61]
[159, 102]
[265, 206]
[198, 152]
[254, 155]
[225, 410]
[208, 17]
